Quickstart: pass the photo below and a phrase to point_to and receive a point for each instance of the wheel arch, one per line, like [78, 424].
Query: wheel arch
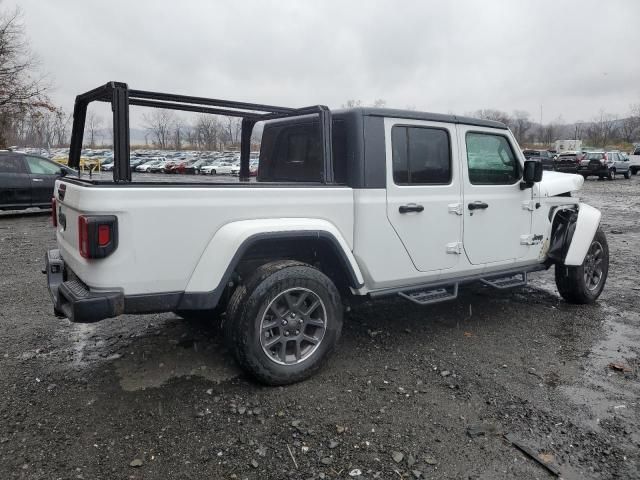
[239, 245]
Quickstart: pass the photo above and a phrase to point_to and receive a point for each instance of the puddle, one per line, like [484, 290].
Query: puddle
[603, 392]
[185, 359]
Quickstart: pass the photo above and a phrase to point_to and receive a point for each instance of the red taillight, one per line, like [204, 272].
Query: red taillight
[54, 212]
[83, 236]
[104, 235]
[97, 235]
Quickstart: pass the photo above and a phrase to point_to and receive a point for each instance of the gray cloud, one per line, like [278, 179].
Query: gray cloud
[573, 57]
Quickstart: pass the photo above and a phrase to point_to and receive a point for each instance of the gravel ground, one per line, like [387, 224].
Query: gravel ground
[412, 392]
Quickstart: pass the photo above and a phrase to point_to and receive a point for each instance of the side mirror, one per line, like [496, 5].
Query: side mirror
[532, 173]
[63, 172]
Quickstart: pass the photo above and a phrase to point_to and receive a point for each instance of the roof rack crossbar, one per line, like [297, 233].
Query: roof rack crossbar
[170, 97]
[191, 108]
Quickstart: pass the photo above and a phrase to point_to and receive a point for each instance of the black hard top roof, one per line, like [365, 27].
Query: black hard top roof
[433, 117]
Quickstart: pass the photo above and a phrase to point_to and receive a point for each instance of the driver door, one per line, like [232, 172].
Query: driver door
[497, 215]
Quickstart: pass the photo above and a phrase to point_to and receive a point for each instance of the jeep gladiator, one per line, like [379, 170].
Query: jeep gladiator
[360, 203]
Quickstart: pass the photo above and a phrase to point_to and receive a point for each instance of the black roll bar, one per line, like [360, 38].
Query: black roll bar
[121, 97]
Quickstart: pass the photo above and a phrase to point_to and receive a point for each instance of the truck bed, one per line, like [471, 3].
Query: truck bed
[164, 228]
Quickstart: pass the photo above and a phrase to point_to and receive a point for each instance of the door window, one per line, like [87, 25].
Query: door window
[11, 164]
[421, 156]
[491, 160]
[42, 167]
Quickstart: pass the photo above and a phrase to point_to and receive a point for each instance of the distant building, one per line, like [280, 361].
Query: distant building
[568, 145]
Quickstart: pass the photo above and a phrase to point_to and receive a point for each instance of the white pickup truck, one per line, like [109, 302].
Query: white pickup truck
[355, 203]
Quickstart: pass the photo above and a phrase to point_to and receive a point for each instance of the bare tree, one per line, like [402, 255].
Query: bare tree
[93, 126]
[630, 126]
[496, 115]
[179, 128]
[207, 132]
[602, 129]
[520, 124]
[160, 124]
[233, 129]
[22, 90]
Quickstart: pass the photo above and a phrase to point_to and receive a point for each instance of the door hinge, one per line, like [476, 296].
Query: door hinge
[455, 208]
[454, 248]
[530, 205]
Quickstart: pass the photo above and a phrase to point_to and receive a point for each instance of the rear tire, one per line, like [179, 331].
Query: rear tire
[584, 284]
[611, 175]
[284, 322]
[634, 171]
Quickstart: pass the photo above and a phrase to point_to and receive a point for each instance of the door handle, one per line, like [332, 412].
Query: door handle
[412, 207]
[478, 205]
[37, 180]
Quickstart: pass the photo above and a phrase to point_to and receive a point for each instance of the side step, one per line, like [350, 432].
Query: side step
[428, 297]
[517, 280]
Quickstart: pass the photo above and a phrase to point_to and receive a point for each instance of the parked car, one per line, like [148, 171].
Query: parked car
[605, 165]
[107, 166]
[568, 162]
[220, 168]
[194, 167]
[284, 255]
[28, 180]
[543, 155]
[150, 166]
[634, 161]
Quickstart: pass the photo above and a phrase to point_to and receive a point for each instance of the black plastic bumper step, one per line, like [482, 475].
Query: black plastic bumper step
[517, 280]
[435, 295]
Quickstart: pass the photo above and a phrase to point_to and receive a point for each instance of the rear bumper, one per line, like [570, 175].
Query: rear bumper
[79, 303]
[73, 299]
[589, 170]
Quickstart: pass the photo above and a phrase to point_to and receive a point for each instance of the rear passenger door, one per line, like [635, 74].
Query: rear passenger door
[15, 186]
[43, 174]
[497, 213]
[423, 191]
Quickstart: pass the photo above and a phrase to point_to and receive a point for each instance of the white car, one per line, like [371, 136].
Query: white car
[220, 168]
[401, 204]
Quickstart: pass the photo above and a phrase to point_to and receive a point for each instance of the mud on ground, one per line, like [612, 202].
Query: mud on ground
[412, 392]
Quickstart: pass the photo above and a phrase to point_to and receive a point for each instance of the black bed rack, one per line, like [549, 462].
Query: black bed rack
[121, 96]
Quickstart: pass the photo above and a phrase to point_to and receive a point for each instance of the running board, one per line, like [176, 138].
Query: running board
[434, 295]
[501, 283]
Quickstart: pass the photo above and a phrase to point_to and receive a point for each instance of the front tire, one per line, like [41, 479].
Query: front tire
[584, 284]
[627, 174]
[284, 322]
[611, 175]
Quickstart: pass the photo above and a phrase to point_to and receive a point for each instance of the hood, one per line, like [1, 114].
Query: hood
[556, 183]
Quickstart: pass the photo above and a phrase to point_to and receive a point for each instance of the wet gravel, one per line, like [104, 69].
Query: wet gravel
[412, 392]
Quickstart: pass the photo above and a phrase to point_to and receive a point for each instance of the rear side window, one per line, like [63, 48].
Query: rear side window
[491, 160]
[11, 164]
[296, 154]
[42, 166]
[420, 155]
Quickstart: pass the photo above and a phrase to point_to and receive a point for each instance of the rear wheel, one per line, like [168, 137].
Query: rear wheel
[584, 284]
[284, 322]
[611, 174]
[634, 171]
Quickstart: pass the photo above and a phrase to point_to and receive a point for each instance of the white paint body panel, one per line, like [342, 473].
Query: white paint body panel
[164, 231]
[425, 235]
[586, 226]
[229, 237]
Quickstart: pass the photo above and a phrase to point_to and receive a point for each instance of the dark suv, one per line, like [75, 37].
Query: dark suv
[27, 180]
[568, 162]
[545, 157]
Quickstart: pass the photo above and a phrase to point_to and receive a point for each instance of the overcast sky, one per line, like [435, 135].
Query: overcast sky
[572, 57]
